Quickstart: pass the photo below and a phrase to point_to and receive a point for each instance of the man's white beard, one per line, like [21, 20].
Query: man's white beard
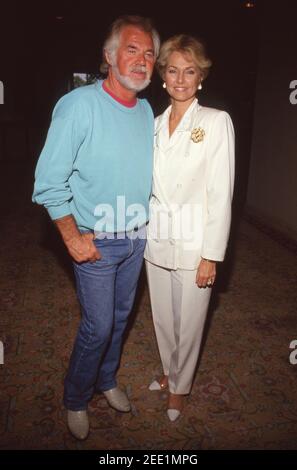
[128, 82]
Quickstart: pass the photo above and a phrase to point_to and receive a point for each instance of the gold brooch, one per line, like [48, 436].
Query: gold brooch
[197, 135]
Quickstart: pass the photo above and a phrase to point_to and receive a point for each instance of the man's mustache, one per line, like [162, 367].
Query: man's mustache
[139, 68]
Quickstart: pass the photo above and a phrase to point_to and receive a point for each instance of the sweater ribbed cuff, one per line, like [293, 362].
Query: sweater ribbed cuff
[57, 212]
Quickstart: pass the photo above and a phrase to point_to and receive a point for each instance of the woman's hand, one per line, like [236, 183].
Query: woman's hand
[206, 273]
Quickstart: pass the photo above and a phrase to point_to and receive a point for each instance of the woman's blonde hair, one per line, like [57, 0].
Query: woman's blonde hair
[187, 45]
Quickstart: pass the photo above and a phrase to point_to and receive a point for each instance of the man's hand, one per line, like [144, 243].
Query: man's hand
[206, 273]
[83, 249]
[79, 245]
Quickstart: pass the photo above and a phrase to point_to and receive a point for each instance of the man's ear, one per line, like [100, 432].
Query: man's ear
[107, 57]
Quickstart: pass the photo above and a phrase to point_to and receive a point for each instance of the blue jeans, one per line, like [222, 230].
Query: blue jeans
[106, 291]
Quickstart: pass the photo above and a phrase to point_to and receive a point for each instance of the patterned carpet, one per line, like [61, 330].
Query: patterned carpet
[244, 395]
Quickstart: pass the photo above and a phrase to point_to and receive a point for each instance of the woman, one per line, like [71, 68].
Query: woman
[190, 214]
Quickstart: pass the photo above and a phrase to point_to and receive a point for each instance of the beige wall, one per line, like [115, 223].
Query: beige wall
[272, 189]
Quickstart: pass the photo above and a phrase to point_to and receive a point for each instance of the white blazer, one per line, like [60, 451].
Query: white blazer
[190, 207]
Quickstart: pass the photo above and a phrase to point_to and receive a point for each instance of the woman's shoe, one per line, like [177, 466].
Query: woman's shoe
[160, 384]
[175, 406]
[173, 414]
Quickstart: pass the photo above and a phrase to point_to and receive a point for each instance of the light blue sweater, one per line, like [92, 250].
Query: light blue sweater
[97, 161]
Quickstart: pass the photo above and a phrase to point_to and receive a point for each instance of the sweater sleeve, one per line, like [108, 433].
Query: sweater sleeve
[219, 187]
[55, 164]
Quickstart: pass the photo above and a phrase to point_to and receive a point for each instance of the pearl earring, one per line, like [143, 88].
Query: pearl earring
[200, 86]
[164, 85]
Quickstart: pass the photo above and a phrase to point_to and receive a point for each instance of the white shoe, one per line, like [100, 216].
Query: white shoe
[78, 423]
[154, 386]
[173, 414]
[117, 399]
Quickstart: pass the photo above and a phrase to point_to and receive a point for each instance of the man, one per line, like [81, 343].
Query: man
[97, 160]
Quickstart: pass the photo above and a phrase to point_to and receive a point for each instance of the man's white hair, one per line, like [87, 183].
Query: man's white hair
[112, 41]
